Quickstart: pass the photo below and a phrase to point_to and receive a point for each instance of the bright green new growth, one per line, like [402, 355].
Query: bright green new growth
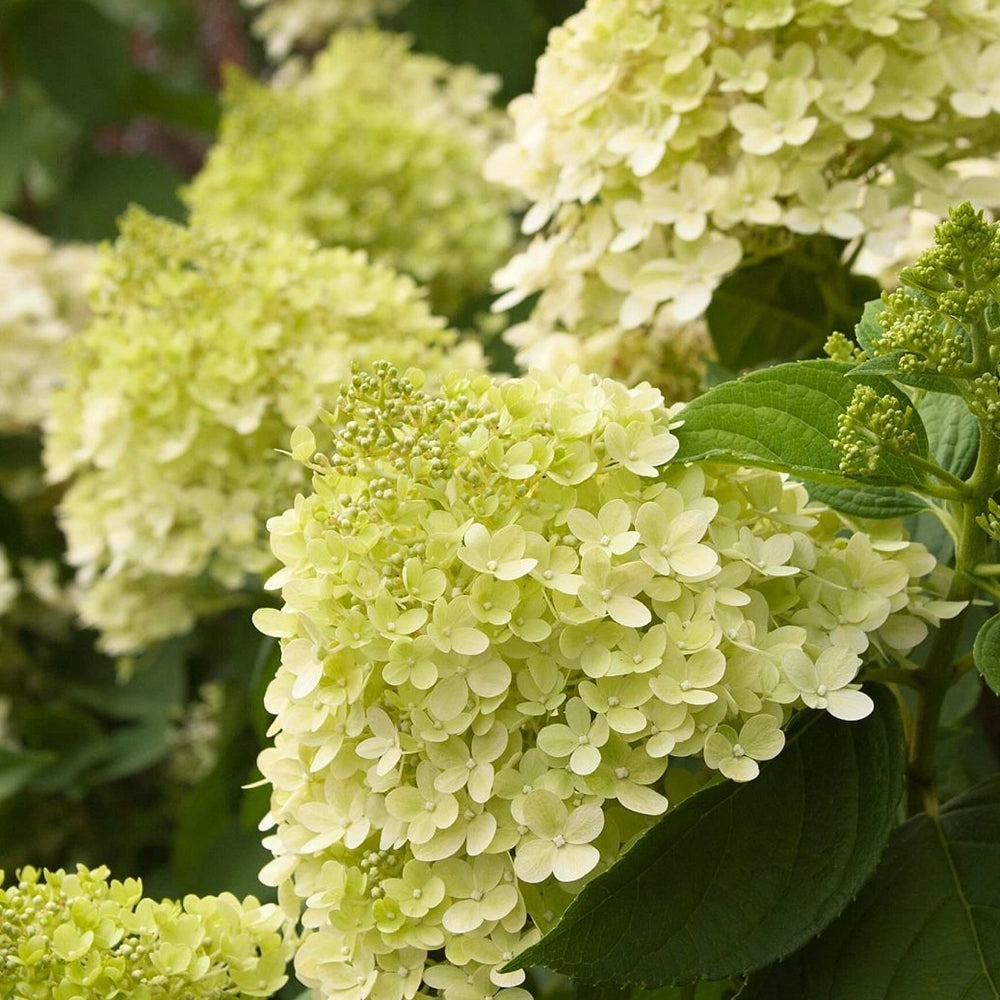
[373, 147]
[505, 612]
[206, 350]
[81, 936]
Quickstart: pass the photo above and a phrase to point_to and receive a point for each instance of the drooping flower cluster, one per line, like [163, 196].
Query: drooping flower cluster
[286, 25]
[205, 350]
[376, 148]
[80, 936]
[43, 301]
[666, 143]
[504, 612]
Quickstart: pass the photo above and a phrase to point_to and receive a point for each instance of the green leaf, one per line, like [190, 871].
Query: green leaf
[740, 874]
[131, 750]
[160, 97]
[103, 187]
[926, 927]
[155, 689]
[986, 652]
[786, 307]
[14, 151]
[868, 330]
[952, 432]
[867, 501]
[79, 56]
[765, 312]
[498, 36]
[18, 768]
[785, 418]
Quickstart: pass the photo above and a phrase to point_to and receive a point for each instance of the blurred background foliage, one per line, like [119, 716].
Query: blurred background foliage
[140, 764]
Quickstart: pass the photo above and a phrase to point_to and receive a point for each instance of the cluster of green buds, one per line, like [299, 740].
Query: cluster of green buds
[938, 332]
[82, 936]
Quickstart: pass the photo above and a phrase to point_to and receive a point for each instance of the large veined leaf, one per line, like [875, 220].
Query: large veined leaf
[786, 307]
[740, 874]
[77, 54]
[927, 926]
[867, 501]
[986, 652]
[952, 432]
[785, 418]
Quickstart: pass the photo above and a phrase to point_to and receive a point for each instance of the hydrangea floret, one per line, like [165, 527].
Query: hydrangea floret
[289, 25]
[206, 349]
[43, 302]
[83, 936]
[666, 144]
[373, 147]
[505, 611]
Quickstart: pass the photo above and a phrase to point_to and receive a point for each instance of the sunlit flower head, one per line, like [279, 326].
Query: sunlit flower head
[505, 611]
[668, 143]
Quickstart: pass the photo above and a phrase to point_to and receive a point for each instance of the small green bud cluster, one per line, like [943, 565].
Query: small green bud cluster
[43, 302]
[871, 426]
[840, 348]
[376, 148]
[207, 347]
[945, 319]
[668, 141]
[505, 612]
[81, 936]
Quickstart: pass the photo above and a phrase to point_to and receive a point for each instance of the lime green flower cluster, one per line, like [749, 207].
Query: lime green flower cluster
[43, 301]
[79, 936]
[666, 143]
[504, 612]
[376, 148]
[287, 25]
[206, 349]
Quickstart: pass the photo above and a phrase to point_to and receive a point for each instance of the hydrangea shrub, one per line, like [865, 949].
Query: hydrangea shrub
[666, 144]
[505, 613]
[373, 147]
[205, 350]
[43, 302]
[83, 936]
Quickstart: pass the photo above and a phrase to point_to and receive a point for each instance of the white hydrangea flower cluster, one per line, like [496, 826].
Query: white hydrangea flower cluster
[666, 143]
[373, 147]
[504, 612]
[43, 301]
[206, 349]
[80, 936]
[287, 25]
